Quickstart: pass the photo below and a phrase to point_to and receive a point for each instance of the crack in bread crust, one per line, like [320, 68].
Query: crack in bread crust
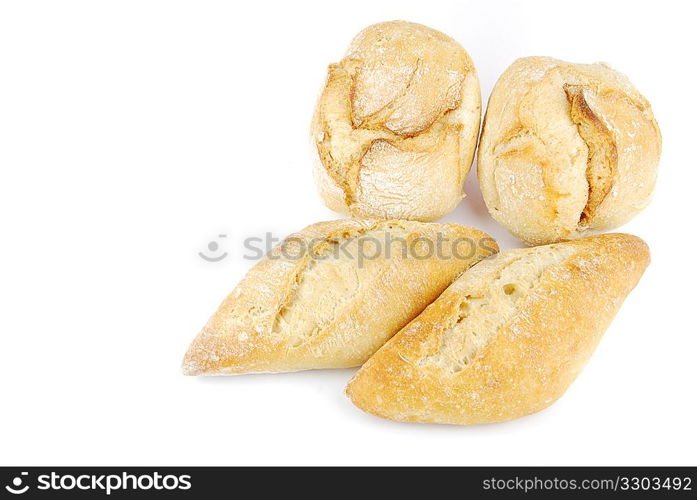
[379, 118]
[346, 139]
[602, 150]
[526, 143]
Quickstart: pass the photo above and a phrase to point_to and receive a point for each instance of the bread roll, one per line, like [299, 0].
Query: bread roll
[507, 338]
[566, 148]
[397, 123]
[332, 294]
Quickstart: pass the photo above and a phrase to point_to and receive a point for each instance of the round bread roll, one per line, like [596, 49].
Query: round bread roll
[397, 123]
[566, 148]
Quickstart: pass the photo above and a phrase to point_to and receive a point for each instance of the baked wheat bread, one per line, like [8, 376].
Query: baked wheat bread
[396, 125]
[507, 338]
[332, 294]
[566, 150]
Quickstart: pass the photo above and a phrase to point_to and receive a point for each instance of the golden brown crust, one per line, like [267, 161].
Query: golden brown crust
[507, 338]
[314, 303]
[397, 123]
[566, 148]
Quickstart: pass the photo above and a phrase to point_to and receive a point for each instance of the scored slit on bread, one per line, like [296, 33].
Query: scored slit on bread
[323, 286]
[491, 293]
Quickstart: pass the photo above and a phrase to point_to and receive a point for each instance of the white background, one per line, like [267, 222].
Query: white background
[132, 133]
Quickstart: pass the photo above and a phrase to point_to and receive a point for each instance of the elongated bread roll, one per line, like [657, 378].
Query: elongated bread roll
[565, 149]
[332, 294]
[397, 124]
[507, 338]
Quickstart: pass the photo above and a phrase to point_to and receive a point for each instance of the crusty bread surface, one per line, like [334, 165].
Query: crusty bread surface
[566, 150]
[332, 294]
[507, 338]
[396, 126]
